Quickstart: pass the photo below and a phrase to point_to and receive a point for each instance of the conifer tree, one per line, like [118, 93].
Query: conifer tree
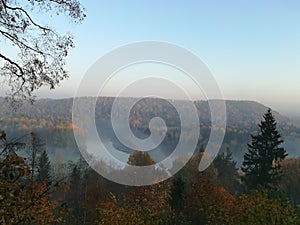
[228, 175]
[262, 161]
[44, 167]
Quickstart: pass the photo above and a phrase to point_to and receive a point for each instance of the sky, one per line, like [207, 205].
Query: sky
[251, 47]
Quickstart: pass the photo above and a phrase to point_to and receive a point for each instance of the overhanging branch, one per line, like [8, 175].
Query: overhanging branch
[27, 15]
[15, 64]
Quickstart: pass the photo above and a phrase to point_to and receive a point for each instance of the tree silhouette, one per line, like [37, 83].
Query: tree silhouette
[262, 161]
[139, 158]
[227, 171]
[177, 194]
[34, 149]
[22, 201]
[44, 167]
[40, 49]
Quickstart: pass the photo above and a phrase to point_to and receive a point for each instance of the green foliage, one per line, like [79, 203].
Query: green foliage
[140, 159]
[262, 161]
[44, 167]
[291, 181]
[22, 201]
[189, 198]
[77, 197]
[228, 176]
[177, 193]
[257, 208]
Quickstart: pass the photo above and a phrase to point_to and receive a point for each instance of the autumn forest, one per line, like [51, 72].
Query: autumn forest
[144, 132]
[45, 180]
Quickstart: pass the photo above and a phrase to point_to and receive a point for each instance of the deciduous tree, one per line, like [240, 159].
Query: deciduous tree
[41, 50]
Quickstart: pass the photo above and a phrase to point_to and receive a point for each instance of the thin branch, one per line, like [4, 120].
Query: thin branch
[10, 26]
[17, 41]
[21, 76]
[27, 15]
[40, 196]
[15, 64]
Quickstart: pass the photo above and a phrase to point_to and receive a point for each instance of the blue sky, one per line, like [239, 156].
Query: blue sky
[251, 47]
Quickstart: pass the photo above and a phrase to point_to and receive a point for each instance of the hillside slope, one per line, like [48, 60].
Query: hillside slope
[51, 118]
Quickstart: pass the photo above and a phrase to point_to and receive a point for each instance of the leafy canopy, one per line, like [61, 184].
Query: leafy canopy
[41, 50]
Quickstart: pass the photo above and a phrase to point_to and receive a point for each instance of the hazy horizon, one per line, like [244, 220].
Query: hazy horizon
[292, 114]
[251, 48]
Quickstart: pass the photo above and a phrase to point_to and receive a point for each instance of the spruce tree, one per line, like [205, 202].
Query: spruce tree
[44, 167]
[262, 161]
[176, 198]
[228, 175]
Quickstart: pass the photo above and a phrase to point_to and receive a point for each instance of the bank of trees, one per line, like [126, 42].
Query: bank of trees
[31, 193]
[25, 183]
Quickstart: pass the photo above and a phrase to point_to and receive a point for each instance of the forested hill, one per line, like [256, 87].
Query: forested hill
[51, 118]
[240, 114]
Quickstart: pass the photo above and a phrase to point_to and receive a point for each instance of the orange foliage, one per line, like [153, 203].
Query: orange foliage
[139, 205]
[206, 203]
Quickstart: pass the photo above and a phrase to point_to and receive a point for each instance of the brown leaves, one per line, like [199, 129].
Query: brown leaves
[24, 172]
[33, 136]
[3, 135]
[24, 201]
[208, 204]
[257, 208]
[67, 187]
[30, 204]
[137, 205]
[57, 186]
[14, 160]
